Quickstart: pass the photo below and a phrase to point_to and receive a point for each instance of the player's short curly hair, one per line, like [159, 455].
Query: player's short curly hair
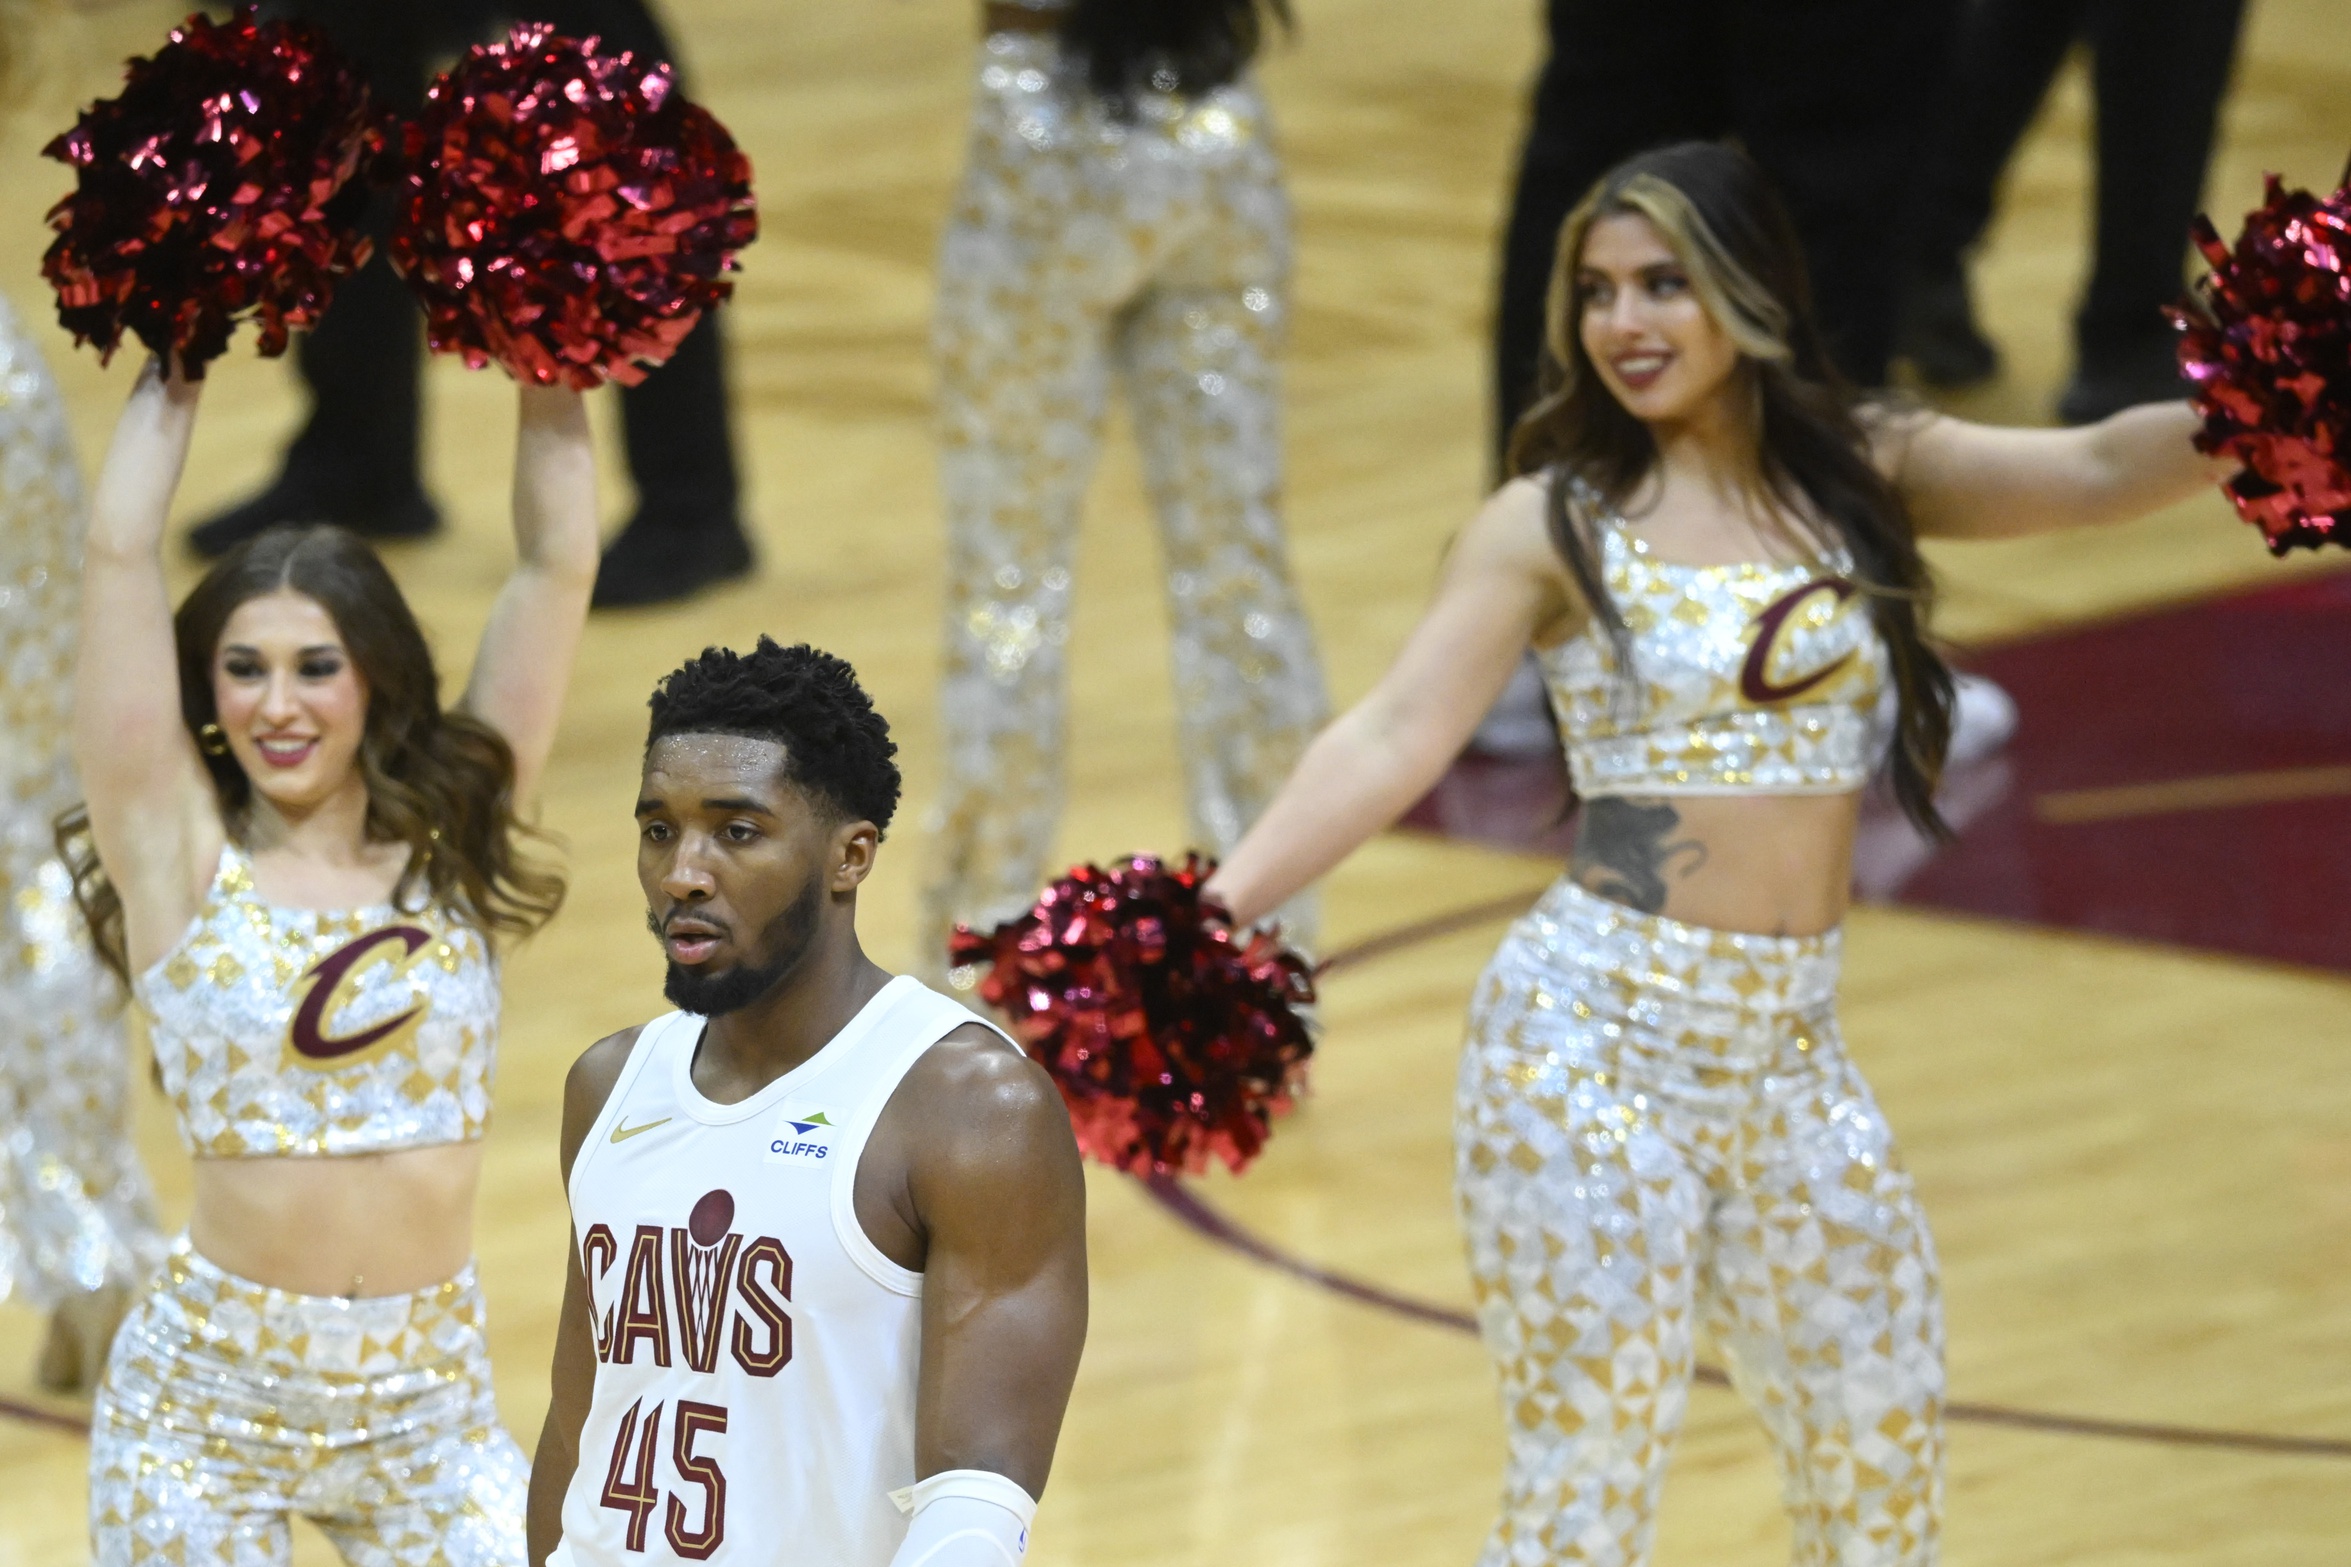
[836, 747]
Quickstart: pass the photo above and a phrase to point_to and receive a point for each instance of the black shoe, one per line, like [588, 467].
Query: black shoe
[293, 502]
[2148, 375]
[1937, 333]
[660, 558]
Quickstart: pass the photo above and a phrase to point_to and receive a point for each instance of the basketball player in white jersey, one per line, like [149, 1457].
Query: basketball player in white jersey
[828, 1282]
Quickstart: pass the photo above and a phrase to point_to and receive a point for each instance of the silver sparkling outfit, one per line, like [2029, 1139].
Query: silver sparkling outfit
[1157, 246]
[1746, 679]
[306, 1031]
[229, 1406]
[1657, 1128]
[75, 1211]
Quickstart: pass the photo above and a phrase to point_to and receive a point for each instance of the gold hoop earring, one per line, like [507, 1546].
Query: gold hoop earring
[212, 740]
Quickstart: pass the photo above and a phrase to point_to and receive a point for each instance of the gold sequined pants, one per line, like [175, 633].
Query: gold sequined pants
[75, 1211]
[1083, 245]
[229, 1406]
[1657, 1127]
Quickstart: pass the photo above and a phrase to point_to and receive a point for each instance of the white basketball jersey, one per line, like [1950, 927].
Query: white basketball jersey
[756, 1353]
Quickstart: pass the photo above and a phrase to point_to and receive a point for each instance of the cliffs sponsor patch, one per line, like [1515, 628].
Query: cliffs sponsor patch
[803, 1134]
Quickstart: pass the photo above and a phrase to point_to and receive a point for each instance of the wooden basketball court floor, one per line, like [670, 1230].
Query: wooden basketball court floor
[2137, 1159]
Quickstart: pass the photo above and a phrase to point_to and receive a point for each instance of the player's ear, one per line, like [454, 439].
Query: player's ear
[852, 848]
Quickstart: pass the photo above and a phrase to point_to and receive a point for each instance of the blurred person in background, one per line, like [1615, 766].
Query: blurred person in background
[1121, 213]
[77, 1223]
[1834, 99]
[78, 1231]
[356, 460]
[2158, 70]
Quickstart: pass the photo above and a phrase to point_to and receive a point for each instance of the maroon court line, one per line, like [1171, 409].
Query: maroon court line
[33, 1414]
[1412, 935]
[1196, 1215]
[1188, 1209]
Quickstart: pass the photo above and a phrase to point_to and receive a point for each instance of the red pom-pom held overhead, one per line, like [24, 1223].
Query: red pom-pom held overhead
[2270, 356]
[1172, 1041]
[566, 212]
[220, 184]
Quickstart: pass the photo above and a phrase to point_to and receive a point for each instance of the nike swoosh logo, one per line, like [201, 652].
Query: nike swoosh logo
[621, 1134]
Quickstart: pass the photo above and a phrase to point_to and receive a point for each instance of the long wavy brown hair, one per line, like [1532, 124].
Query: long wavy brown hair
[1718, 213]
[441, 782]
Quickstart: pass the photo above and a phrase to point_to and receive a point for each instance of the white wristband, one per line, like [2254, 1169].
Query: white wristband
[965, 1518]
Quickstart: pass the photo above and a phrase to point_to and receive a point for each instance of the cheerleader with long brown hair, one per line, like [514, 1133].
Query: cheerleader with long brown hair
[303, 865]
[1713, 549]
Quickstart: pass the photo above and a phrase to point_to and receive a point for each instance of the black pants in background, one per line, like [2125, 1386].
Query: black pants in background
[361, 361]
[2159, 68]
[1833, 98]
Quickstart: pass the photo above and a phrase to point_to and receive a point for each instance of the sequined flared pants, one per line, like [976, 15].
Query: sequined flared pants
[1657, 1128]
[228, 1407]
[1155, 247]
[75, 1211]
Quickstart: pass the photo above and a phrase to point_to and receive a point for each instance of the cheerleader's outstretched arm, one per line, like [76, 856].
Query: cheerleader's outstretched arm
[1503, 582]
[523, 667]
[153, 813]
[1983, 481]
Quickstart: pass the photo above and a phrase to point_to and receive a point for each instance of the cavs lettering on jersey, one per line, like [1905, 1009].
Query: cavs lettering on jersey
[756, 1353]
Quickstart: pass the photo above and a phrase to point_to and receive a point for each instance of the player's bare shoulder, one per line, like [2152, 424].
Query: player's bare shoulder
[973, 1091]
[589, 1084]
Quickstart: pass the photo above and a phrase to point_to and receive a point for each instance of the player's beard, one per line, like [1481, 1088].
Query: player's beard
[786, 939]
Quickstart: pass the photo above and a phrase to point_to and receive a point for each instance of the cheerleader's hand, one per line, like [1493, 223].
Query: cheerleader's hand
[1174, 1041]
[2266, 345]
[213, 190]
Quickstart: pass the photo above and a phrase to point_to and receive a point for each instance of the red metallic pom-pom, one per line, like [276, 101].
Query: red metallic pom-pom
[2271, 359]
[218, 185]
[566, 212]
[1172, 1040]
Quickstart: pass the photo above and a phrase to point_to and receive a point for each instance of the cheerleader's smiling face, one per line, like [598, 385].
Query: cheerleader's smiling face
[291, 701]
[1650, 338]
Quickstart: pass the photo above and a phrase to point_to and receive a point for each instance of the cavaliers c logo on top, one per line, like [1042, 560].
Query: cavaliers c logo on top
[332, 983]
[1755, 682]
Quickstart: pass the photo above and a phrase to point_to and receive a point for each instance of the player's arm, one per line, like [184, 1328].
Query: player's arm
[574, 1376]
[996, 1191]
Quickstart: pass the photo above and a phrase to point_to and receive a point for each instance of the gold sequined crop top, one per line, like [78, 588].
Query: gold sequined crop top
[1746, 679]
[298, 1032]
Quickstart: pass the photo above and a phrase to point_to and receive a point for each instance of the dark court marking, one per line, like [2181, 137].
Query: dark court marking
[55, 1420]
[1188, 1209]
[1412, 935]
[1198, 1216]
